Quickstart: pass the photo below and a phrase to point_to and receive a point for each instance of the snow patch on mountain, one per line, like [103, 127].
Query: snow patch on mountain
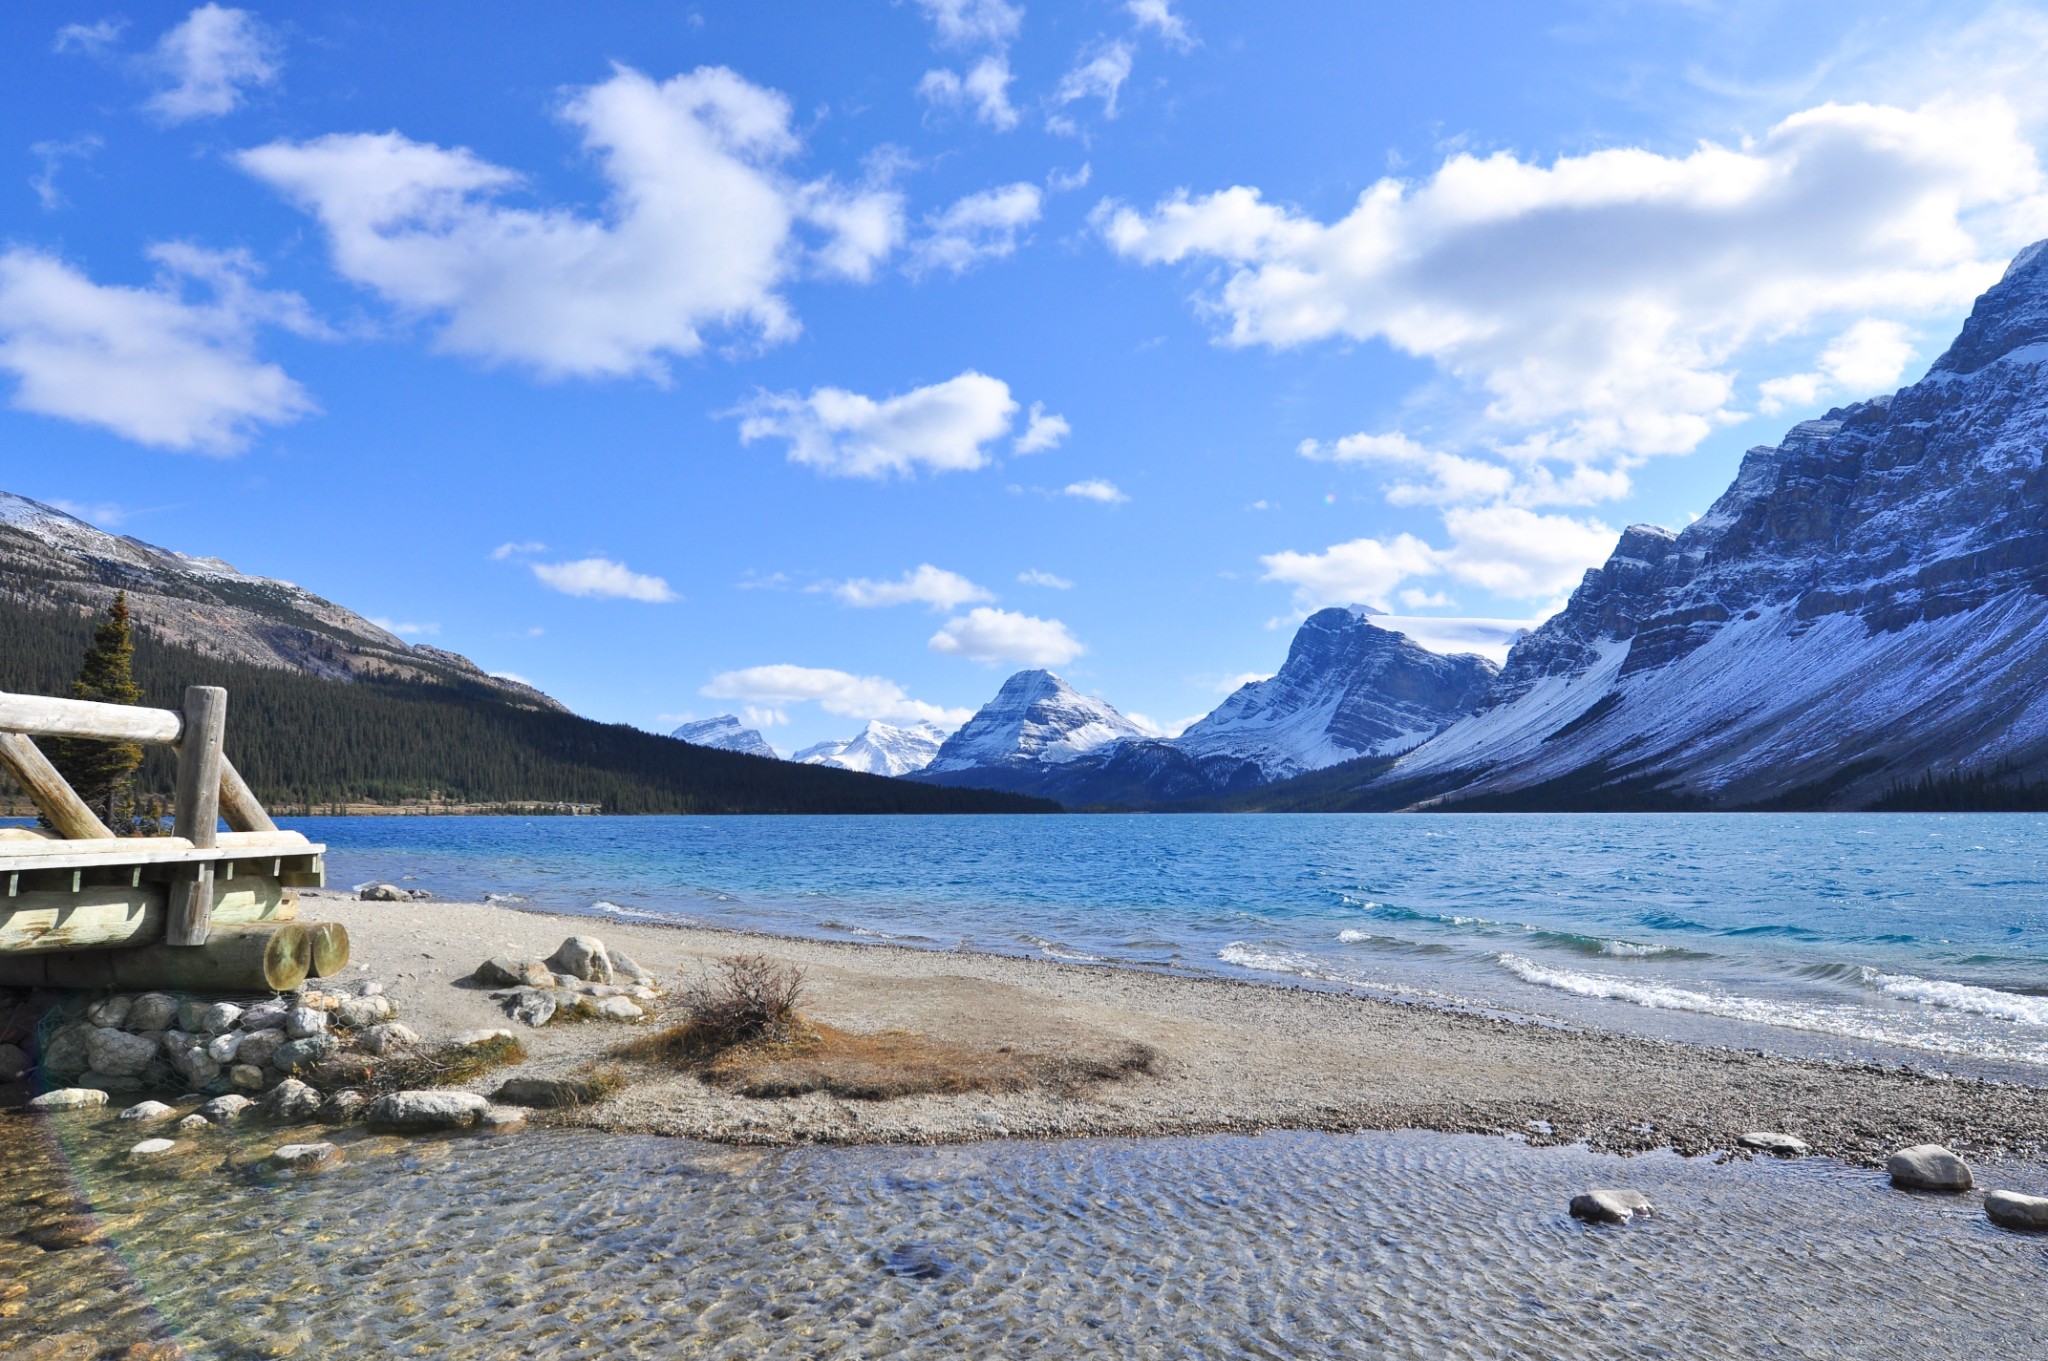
[726, 733]
[1036, 719]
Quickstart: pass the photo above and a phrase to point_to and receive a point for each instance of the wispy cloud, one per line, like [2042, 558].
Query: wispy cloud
[836, 692]
[602, 578]
[1095, 489]
[992, 635]
[209, 62]
[1042, 430]
[1034, 577]
[945, 427]
[923, 585]
[406, 630]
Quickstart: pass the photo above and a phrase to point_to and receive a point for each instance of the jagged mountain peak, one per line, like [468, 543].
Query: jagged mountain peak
[1035, 719]
[2011, 315]
[726, 733]
[879, 749]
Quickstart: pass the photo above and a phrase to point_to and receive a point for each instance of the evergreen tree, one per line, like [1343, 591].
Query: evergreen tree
[103, 773]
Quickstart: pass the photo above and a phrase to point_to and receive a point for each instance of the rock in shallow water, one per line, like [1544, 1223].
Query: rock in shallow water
[224, 1110]
[194, 1124]
[423, 1112]
[149, 1112]
[1777, 1145]
[299, 1159]
[69, 1099]
[290, 1102]
[546, 1092]
[150, 1149]
[2012, 1210]
[1929, 1167]
[1610, 1205]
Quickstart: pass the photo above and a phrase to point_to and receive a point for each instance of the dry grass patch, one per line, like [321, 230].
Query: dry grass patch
[446, 1065]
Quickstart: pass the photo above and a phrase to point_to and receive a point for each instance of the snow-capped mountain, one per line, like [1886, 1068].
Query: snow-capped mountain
[1865, 607]
[53, 560]
[1347, 689]
[1036, 721]
[879, 749]
[726, 733]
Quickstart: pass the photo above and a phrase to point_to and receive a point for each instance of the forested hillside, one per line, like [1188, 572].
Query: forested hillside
[305, 741]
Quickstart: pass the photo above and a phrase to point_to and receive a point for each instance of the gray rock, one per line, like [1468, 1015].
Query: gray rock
[618, 1009]
[545, 1092]
[1610, 1205]
[470, 1039]
[290, 1102]
[246, 1077]
[73, 1099]
[303, 1021]
[118, 1053]
[110, 1011]
[641, 992]
[190, 1014]
[624, 965]
[384, 893]
[194, 1124]
[532, 1006]
[65, 1053]
[583, 957]
[359, 1013]
[218, 1018]
[224, 1110]
[224, 1048]
[501, 1120]
[152, 1011]
[13, 1062]
[392, 1035]
[1777, 1145]
[149, 1150]
[149, 1112]
[266, 1015]
[192, 1064]
[1929, 1167]
[422, 1112]
[369, 987]
[299, 1055]
[2012, 1210]
[299, 1159]
[259, 1047]
[171, 1041]
[343, 1107]
[504, 971]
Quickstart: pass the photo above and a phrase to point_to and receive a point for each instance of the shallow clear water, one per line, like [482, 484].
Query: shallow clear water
[1289, 1245]
[1907, 938]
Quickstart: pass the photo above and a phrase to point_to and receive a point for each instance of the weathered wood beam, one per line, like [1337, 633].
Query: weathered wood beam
[115, 916]
[257, 958]
[239, 804]
[198, 814]
[42, 716]
[48, 790]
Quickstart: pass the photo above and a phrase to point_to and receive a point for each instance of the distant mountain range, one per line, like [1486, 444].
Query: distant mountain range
[879, 749]
[725, 733]
[326, 708]
[1860, 621]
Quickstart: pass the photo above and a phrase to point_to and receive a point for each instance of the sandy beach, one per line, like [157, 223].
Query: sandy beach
[1232, 1056]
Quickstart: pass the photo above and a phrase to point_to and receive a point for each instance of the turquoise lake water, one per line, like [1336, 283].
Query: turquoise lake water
[1920, 939]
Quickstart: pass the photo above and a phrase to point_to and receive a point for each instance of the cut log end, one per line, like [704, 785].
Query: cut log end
[330, 948]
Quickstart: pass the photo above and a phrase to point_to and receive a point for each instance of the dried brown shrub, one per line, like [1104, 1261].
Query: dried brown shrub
[445, 1065]
[749, 998]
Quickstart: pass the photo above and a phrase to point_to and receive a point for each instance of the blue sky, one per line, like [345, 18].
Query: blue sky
[822, 362]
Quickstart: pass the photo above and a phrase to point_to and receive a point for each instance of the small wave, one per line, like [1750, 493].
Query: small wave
[1572, 941]
[506, 898]
[1052, 949]
[1847, 1022]
[1935, 992]
[1628, 949]
[1352, 936]
[607, 908]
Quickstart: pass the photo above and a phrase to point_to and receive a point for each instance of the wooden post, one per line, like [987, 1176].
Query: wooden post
[238, 802]
[260, 957]
[198, 821]
[52, 795]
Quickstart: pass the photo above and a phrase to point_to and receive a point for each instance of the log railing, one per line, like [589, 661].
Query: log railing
[209, 788]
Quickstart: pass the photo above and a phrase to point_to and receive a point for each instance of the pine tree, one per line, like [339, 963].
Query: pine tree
[103, 773]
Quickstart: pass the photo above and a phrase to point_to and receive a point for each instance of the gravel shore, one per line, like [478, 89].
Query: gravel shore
[1234, 1056]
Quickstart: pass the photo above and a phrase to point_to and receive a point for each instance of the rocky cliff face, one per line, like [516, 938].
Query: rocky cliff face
[51, 560]
[1036, 721]
[1865, 606]
[1347, 690]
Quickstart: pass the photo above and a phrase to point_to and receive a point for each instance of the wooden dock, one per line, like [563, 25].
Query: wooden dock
[201, 909]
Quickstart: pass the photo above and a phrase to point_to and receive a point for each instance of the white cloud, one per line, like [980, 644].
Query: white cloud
[517, 550]
[925, 585]
[1604, 305]
[1450, 477]
[982, 226]
[209, 60]
[1490, 638]
[1863, 360]
[992, 635]
[91, 39]
[1065, 181]
[1229, 685]
[1415, 598]
[837, 692]
[406, 630]
[700, 231]
[105, 514]
[974, 23]
[147, 363]
[945, 427]
[514, 677]
[603, 578]
[1034, 577]
[986, 87]
[1042, 431]
[1171, 727]
[1095, 489]
[1099, 74]
[1158, 14]
[1519, 553]
[53, 155]
[1363, 570]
